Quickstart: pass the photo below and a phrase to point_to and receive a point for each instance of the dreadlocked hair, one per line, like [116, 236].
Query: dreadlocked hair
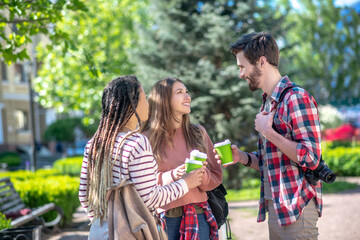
[119, 101]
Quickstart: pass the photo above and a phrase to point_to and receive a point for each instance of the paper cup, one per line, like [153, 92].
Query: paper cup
[223, 149]
[191, 165]
[197, 155]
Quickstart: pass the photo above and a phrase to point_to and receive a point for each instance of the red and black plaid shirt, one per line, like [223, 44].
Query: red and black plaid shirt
[297, 119]
[189, 228]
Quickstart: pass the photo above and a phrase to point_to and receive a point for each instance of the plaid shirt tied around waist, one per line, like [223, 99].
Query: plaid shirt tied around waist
[296, 118]
[189, 228]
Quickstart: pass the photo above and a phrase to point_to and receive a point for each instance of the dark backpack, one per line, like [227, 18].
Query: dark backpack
[219, 207]
[218, 204]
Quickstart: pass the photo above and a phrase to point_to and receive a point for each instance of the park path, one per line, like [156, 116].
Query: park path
[340, 219]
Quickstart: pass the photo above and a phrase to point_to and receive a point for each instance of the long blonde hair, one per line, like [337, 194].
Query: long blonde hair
[119, 101]
[159, 127]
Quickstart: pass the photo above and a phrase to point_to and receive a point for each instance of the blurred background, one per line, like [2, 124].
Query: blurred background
[57, 56]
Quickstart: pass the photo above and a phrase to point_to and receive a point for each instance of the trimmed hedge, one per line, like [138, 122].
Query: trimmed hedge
[44, 186]
[69, 166]
[10, 159]
[24, 175]
[336, 144]
[344, 161]
[59, 185]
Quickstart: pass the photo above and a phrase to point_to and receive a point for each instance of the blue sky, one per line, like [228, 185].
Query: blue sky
[345, 2]
[339, 3]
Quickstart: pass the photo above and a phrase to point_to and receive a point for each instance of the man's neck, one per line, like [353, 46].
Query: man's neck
[271, 80]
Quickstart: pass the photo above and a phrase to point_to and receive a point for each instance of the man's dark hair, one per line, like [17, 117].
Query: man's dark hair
[256, 45]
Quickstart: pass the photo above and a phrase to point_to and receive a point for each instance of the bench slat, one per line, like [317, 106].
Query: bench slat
[14, 209]
[7, 199]
[35, 213]
[10, 204]
[6, 185]
[10, 201]
[8, 190]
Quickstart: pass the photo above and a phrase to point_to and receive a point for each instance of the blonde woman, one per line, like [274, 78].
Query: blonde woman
[124, 106]
[173, 137]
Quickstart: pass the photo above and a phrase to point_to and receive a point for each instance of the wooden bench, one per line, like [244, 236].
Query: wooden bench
[10, 201]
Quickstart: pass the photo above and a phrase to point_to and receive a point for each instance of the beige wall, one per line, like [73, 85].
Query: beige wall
[14, 134]
[2, 135]
[15, 121]
[14, 100]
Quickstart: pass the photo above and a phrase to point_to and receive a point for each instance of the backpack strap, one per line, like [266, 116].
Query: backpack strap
[281, 98]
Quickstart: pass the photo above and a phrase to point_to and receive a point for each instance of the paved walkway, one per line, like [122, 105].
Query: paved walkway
[339, 221]
[340, 218]
[77, 230]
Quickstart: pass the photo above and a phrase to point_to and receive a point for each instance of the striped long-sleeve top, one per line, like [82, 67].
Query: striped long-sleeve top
[139, 166]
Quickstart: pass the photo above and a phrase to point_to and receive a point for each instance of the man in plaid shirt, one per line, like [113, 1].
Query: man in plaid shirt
[293, 205]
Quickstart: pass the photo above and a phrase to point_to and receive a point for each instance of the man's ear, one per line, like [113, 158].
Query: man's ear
[262, 61]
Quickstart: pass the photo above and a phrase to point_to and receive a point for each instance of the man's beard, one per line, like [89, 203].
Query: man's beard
[254, 80]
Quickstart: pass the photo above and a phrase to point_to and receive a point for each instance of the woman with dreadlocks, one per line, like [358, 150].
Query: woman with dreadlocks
[124, 107]
[173, 137]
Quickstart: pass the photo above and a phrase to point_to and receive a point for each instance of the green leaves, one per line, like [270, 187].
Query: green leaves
[64, 129]
[4, 222]
[344, 161]
[74, 74]
[190, 40]
[20, 20]
[326, 51]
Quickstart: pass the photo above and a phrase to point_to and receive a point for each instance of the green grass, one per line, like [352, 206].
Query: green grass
[253, 193]
[244, 194]
[338, 186]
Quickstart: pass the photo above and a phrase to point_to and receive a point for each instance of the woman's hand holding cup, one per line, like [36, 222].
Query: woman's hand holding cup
[193, 179]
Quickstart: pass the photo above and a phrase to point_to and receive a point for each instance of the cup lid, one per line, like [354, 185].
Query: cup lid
[197, 153]
[226, 141]
[193, 161]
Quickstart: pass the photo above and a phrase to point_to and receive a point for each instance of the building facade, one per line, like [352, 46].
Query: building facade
[15, 113]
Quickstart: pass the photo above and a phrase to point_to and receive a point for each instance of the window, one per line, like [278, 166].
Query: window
[4, 71]
[19, 73]
[14, 28]
[21, 120]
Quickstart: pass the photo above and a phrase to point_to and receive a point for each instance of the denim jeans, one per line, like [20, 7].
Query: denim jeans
[97, 231]
[173, 227]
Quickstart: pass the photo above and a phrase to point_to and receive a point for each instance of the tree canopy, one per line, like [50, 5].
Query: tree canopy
[319, 47]
[326, 53]
[190, 40]
[20, 20]
[64, 129]
[75, 80]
